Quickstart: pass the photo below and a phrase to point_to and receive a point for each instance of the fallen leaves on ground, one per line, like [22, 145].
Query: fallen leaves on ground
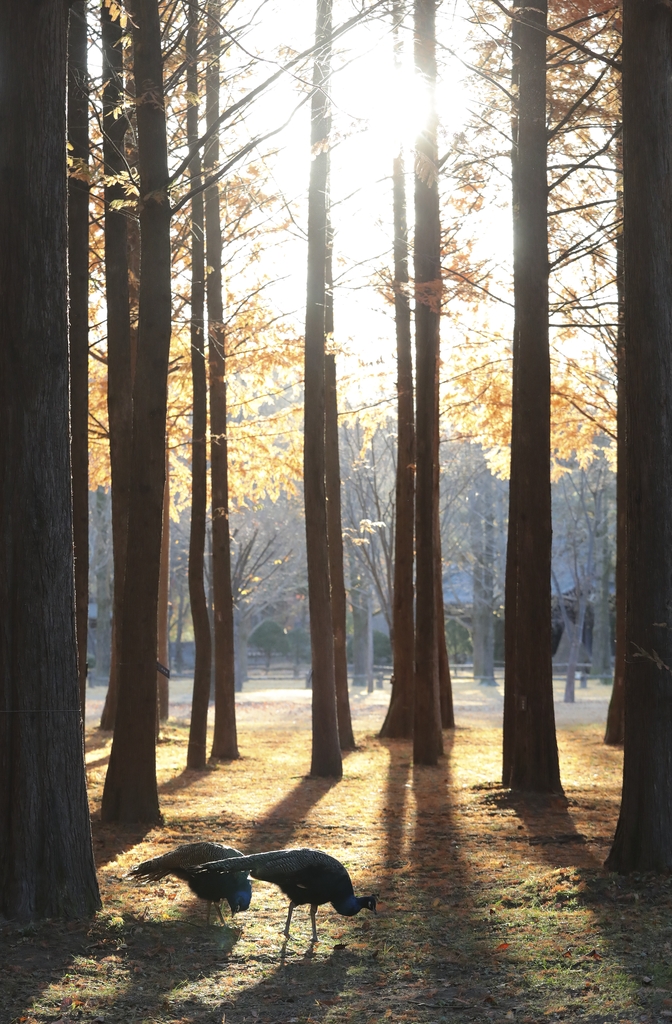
[491, 908]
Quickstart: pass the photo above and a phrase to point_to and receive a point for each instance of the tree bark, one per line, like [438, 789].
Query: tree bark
[130, 792]
[78, 274]
[399, 719]
[46, 858]
[600, 667]
[102, 563]
[530, 748]
[162, 639]
[445, 682]
[336, 574]
[643, 840]
[482, 530]
[119, 378]
[427, 740]
[225, 741]
[196, 752]
[615, 729]
[326, 753]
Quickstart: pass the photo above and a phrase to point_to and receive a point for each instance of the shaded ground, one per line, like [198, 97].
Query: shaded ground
[491, 909]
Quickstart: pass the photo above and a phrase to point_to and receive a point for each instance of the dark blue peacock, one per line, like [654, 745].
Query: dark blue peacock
[232, 886]
[304, 875]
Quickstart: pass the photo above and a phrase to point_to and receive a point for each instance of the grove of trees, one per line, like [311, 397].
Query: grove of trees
[251, 390]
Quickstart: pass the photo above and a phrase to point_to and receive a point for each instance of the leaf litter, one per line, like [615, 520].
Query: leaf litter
[492, 908]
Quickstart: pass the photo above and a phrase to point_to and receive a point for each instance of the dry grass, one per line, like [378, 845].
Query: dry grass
[491, 908]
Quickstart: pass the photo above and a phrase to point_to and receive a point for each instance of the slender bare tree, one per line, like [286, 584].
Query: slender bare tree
[399, 719]
[427, 740]
[130, 792]
[196, 753]
[530, 759]
[326, 753]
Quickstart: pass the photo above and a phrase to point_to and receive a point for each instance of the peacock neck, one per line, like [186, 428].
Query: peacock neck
[348, 906]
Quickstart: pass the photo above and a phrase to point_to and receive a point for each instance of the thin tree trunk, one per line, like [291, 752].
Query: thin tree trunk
[78, 270]
[196, 752]
[575, 647]
[445, 683]
[336, 574]
[326, 753]
[399, 719]
[130, 792]
[643, 840]
[369, 641]
[530, 748]
[102, 559]
[427, 740]
[488, 666]
[163, 640]
[334, 525]
[615, 729]
[119, 379]
[600, 666]
[225, 740]
[46, 858]
[482, 531]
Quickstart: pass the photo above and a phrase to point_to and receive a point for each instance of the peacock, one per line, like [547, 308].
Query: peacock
[304, 875]
[233, 886]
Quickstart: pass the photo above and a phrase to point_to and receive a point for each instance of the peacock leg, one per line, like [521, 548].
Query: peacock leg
[313, 914]
[207, 923]
[218, 908]
[289, 918]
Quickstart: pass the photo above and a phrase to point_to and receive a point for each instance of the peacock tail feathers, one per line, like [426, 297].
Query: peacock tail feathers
[188, 855]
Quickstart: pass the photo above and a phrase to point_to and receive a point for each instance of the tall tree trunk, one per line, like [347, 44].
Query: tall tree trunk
[427, 741]
[102, 561]
[46, 857]
[130, 792]
[225, 740]
[399, 719]
[162, 638]
[369, 641]
[358, 610]
[482, 531]
[119, 380]
[488, 668]
[530, 748]
[445, 682]
[643, 840]
[326, 752]
[336, 573]
[196, 752]
[600, 666]
[615, 730]
[78, 270]
[334, 524]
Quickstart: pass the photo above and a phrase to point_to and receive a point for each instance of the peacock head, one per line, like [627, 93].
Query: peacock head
[351, 905]
[239, 900]
[368, 903]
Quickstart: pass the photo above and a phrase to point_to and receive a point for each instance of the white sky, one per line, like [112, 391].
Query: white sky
[372, 111]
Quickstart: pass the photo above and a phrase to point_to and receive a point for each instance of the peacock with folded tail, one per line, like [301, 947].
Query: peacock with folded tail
[232, 886]
[304, 875]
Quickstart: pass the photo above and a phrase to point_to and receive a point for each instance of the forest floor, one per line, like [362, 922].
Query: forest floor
[491, 908]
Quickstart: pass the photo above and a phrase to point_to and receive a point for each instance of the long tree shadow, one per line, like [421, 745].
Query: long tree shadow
[172, 967]
[186, 778]
[287, 818]
[541, 826]
[110, 841]
[394, 805]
